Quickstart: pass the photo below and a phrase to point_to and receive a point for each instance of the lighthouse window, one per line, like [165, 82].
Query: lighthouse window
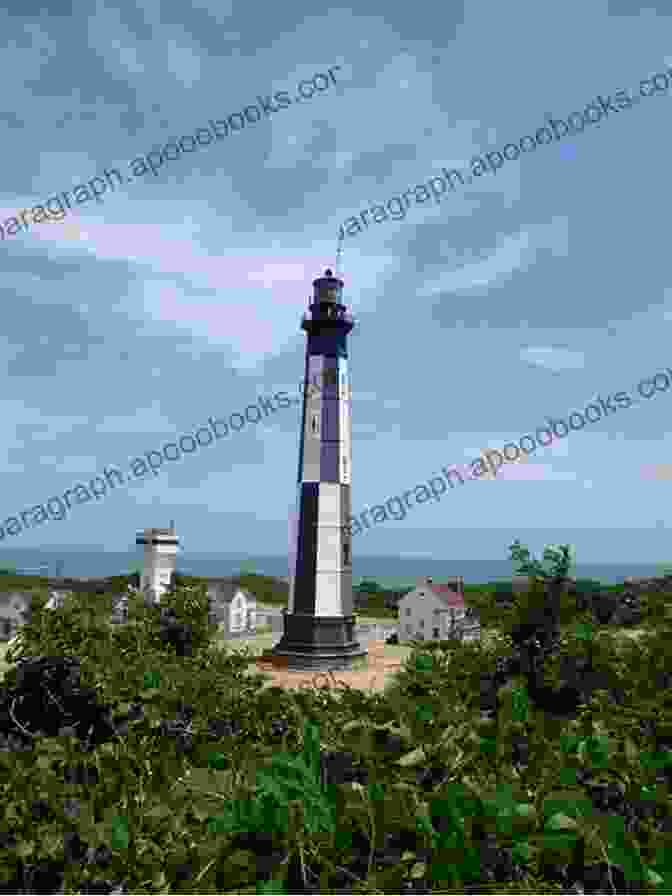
[315, 425]
[346, 554]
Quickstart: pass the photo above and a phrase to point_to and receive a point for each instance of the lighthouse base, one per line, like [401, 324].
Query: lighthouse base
[318, 642]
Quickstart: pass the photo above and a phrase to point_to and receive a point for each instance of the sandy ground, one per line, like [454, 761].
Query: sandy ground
[371, 674]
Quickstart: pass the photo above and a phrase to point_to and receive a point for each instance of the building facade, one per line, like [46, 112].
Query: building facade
[232, 608]
[15, 608]
[158, 573]
[434, 611]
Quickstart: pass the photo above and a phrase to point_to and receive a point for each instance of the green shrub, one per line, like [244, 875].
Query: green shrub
[216, 782]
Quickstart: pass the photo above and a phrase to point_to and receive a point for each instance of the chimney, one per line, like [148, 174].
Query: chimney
[423, 581]
[457, 584]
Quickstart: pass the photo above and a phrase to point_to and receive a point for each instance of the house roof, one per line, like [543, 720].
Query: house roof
[445, 593]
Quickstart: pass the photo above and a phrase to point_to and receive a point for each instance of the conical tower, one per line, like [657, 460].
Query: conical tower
[319, 625]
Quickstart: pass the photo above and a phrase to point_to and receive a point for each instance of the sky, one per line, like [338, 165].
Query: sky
[178, 295]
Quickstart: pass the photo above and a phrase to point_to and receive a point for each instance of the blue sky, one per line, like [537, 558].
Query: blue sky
[178, 297]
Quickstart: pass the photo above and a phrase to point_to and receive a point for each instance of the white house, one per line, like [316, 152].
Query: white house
[434, 611]
[16, 608]
[233, 608]
[14, 611]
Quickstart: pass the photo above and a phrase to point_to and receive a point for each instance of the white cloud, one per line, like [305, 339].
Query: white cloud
[499, 265]
[515, 252]
[551, 358]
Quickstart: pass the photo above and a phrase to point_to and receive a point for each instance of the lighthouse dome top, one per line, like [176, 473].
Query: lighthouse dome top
[327, 288]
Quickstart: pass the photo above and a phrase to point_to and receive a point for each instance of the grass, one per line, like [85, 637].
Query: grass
[255, 644]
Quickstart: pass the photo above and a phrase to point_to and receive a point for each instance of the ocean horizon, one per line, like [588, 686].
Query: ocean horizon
[390, 572]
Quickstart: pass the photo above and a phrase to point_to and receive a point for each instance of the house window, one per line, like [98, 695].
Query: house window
[408, 629]
[237, 620]
[422, 623]
[436, 633]
[436, 612]
[408, 611]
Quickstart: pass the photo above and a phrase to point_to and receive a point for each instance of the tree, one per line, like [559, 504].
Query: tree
[368, 586]
[560, 558]
[536, 615]
[553, 579]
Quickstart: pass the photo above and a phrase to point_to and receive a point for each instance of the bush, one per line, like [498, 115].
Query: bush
[175, 773]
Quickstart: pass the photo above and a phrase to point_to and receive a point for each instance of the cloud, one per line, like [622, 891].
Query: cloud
[515, 252]
[554, 359]
[499, 265]
[657, 472]
[244, 294]
[667, 314]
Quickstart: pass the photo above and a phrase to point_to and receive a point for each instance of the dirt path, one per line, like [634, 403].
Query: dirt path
[372, 674]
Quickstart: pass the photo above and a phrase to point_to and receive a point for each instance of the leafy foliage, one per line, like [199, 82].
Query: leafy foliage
[540, 762]
[368, 586]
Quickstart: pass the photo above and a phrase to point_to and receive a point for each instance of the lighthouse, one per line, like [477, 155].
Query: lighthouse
[319, 625]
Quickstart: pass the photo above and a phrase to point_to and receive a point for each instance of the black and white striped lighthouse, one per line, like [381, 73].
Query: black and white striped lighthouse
[319, 626]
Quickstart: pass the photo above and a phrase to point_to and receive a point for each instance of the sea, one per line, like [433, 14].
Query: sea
[389, 572]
